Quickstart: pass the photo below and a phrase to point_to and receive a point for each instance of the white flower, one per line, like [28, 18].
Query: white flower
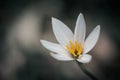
[72, 46]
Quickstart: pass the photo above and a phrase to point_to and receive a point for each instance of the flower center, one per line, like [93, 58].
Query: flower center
[74, 48]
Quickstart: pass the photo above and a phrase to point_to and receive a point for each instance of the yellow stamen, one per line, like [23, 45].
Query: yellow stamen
[74, 48]
[70, 50]
[72, 45]
[80, 49]
[77, 46]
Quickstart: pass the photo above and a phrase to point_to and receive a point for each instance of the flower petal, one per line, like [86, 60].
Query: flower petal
[80, 29]
[52, 46]
[91, 39]
[61, 57]
[84, 58]
[62, 33]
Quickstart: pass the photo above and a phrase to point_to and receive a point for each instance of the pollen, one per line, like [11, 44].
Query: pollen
[74, 48]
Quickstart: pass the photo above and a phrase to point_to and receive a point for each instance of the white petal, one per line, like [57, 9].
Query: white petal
[61, 57]
[85, 58]
[91, 39]
[62, 33]
[52, 46]
[80, 29]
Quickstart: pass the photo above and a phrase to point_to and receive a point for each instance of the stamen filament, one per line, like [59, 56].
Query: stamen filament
[74, 48]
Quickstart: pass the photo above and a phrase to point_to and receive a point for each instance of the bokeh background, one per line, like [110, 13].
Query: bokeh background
[24, 22]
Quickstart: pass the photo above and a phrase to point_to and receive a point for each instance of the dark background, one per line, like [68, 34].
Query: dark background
[24, 60]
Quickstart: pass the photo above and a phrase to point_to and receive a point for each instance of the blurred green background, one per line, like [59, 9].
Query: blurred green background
[24, 22]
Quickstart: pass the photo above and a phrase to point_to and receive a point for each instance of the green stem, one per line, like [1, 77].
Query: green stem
[86, 72]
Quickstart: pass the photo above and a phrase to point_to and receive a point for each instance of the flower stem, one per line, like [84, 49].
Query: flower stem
[86, 72]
